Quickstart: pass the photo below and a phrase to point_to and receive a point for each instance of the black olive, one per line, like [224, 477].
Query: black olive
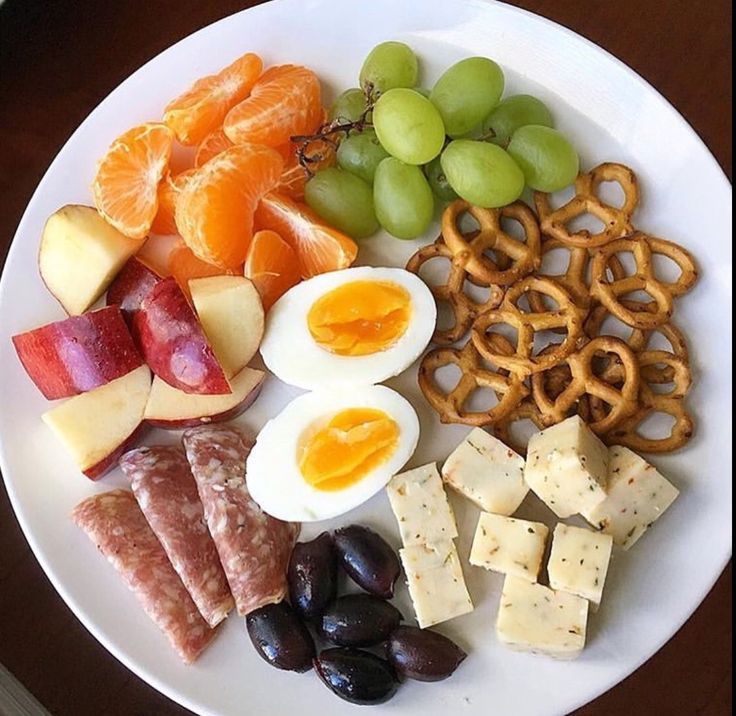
[368, 559]
[280, 637]
[359, 620]
[423, 655]
[312, 576]
[356, 676]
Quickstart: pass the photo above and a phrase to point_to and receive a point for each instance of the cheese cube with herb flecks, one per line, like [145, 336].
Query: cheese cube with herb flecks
[567, 467]
[487, 472]
[420, 504]
[508, 545]
[578, 562]
[534, 618]
[436, 582]
[637, 497]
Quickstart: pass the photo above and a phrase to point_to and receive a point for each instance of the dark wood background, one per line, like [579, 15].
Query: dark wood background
[59, 59]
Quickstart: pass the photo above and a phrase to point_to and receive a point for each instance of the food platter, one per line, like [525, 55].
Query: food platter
[613, 116]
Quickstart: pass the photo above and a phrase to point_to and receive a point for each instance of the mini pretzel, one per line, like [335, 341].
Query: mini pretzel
[451, 406]
[523, 362]
[573, 280]
[622, 401]
[464, 309]
[643, 247]
[526, 410]
[470, 253]
[617, 221]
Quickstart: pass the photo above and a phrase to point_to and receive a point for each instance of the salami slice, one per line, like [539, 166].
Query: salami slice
[254, 547]
[167, 494]
[115, 523]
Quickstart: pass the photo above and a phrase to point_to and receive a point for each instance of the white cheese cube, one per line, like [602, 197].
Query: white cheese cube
[436, 583]
[637, 497]
[487, 472]
[508, 545]
[567, 466]
[578, 562]
[420, 504]
[532, 617]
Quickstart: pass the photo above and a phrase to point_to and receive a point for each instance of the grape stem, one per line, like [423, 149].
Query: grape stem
[332, 133]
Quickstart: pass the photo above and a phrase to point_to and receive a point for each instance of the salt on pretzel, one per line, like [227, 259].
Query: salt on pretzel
[523, 362]
[616, 220]
[452, 406]
[452, 293]
[471, 253]
[643, 247]
[621, 401]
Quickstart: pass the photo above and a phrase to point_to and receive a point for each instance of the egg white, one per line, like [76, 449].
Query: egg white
[273, 476]
[291, 353]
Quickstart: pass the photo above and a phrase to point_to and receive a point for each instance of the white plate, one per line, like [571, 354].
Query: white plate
[612, 115]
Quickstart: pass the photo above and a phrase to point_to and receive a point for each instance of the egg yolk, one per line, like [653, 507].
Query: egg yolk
[360, 318]
[354, 442]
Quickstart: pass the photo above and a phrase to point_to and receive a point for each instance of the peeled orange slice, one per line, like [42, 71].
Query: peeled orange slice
[272, 265]
[184, 266]
[212, 145]
[168, 191]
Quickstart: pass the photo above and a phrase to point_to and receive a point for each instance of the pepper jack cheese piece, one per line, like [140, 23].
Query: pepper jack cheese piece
[567, 467]
[578, 562]
[508, 545]
[436, 583]
[638, 495]
[487, 472]
[534, 618]
[420, 504]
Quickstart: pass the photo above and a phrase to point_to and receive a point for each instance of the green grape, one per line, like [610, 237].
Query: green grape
[408, 126]
[546, 157]
[389, 65]
[344, 201]
[403, 199]
[482, 173]
[438, 181]
[360, 154]
[467, 93]
[515, 112]
[349, 106]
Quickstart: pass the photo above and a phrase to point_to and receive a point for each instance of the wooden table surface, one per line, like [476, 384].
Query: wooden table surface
[59, 59]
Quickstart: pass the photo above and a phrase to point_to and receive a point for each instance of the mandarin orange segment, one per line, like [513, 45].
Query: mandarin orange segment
[213, 144]
[272, 265]
[125, 188]
[214, 210]
[156, 251]
[286, 101]
[202, 108]
[320, 248]
[183, 265]
[168, 191]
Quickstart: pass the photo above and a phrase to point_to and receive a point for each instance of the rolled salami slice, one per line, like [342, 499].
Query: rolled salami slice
[115, 523]
[254, 547]
[167, 494]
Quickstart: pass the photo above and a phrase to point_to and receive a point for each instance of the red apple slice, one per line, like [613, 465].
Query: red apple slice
[231, 314]
[134, 282]
[172, 409]
[173, 343]
[79, 256]
[98, 426]
[79, 353]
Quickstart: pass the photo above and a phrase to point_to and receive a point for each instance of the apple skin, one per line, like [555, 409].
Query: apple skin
[78, 354]
[196, 410]
[173, 343]
[96, 471]
[134, 282]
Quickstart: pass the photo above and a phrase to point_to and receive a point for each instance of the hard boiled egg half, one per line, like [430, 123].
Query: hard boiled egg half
[330, 450]
[358, 326]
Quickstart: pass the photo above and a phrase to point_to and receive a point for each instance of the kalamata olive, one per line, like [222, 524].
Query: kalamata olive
[423, 655]
[368, 559]
[312, 576]
[356, 676]
[280, 637]
[359, 620]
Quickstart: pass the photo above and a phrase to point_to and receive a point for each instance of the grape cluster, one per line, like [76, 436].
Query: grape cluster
[405, 147]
